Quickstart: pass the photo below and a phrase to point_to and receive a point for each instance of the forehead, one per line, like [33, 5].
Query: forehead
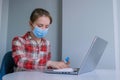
[43, 20]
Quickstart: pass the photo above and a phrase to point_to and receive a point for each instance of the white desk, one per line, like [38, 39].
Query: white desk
[35, 75]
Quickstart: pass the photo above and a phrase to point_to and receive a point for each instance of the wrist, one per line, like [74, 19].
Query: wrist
[49, 63]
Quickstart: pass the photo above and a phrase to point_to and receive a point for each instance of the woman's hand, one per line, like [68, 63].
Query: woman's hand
[58, 65]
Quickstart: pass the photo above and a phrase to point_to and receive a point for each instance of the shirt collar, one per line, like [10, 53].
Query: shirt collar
[27, 36]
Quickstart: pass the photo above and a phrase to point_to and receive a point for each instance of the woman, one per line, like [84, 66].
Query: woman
[32, 51]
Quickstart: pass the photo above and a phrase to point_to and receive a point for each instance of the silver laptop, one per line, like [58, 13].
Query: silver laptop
[90, 60]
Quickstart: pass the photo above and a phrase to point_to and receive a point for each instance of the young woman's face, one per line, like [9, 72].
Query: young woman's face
[43, 22]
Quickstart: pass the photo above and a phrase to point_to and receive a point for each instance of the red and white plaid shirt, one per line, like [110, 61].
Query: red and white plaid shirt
[28, 54]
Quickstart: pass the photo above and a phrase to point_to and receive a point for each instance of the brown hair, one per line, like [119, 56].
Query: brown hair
[38, 12]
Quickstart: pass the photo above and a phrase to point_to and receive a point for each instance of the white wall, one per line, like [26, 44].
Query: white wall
[0, 24]
[118, 30]
[82, 20]
[19, 12]
[0, 12]
[3, 27]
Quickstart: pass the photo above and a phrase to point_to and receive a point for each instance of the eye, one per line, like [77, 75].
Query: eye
[46, 26]
[40, 25]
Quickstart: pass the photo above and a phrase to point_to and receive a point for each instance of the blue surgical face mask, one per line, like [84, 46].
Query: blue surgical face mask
[40, 33]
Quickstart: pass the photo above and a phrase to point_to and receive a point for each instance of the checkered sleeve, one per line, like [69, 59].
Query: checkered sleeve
[19, 54]
[49, 51]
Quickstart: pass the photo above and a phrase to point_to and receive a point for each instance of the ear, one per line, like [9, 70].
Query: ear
[31, 25]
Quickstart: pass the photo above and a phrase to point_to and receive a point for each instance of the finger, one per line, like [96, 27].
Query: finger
[64, 66]
[68, 63]
[58, 66]
[61, 66]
